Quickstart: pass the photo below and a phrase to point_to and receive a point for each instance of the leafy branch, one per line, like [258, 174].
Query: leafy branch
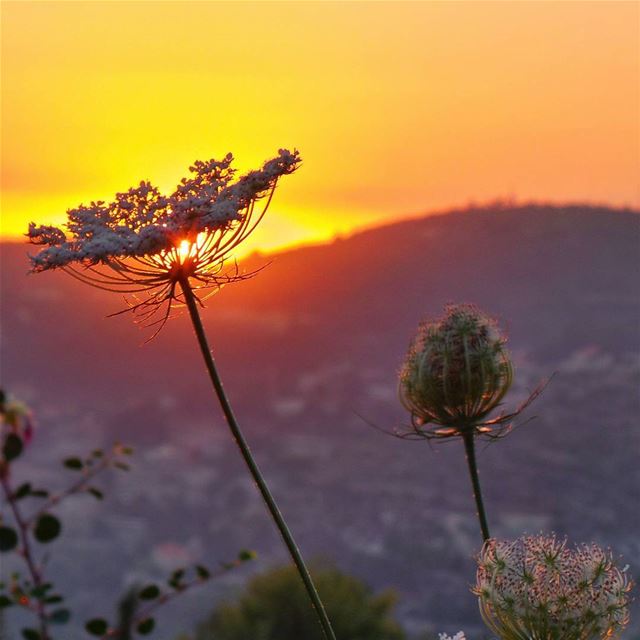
[35, 593]
[142, 603]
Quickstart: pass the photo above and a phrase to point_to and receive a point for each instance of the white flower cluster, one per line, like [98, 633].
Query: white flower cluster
[142, 222]
[537, 587]
[458, 636]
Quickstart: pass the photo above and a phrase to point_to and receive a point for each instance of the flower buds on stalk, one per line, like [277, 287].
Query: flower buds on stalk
[16, 429]
[537, 587]
[456, 372]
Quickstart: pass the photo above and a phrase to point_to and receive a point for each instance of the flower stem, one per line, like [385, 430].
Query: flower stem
[191, 303]
[469, 447]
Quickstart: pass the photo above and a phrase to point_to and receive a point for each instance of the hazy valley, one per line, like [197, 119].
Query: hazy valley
[309, 350]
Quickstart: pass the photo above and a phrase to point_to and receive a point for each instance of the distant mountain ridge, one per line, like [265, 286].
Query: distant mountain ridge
[558, 277]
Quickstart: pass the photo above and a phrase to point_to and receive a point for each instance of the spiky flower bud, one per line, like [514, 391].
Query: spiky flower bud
[537, 587]
[456, 372]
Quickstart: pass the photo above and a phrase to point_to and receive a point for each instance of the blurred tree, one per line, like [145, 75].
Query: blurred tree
[274, 606]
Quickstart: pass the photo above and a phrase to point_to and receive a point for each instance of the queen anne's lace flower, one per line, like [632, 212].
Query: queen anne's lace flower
[149, 243]
[537, 588]
[458, 636]
[456, 372]
[170, 248]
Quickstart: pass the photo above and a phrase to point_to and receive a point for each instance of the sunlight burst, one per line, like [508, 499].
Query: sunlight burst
[184, 250]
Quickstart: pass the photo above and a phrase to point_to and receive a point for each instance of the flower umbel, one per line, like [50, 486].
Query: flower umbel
[170, 249]
[537, 587]
[455, 374]
[146, 243]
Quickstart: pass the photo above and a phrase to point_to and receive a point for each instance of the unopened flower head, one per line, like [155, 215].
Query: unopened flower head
[146, 243]
[16, 419]
[538, 587]
[456, 372]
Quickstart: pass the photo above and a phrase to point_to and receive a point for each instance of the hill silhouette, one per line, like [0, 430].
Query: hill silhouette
[558, 277]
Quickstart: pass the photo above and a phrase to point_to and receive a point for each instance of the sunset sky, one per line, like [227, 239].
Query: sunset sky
[397, 108]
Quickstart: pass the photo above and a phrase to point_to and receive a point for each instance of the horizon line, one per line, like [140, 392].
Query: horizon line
[500, 203]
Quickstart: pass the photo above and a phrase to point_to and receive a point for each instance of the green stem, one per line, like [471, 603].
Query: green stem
[469, 447]
[251, 463]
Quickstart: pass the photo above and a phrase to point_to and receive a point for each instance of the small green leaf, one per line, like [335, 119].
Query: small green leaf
[60, 616]
[31, 634]
[203, 572]
[97, 453]
[53, 599]
[176, 577]
[41, 590]
[22, 491]
[47, 528]
[8, 539]
[5, 602]
[73, 463]
[12, 446]
[151, 592]
[96, 493]
[146, 626]
[39, 493]
[246, 554]
[97, 626]
[127, 451]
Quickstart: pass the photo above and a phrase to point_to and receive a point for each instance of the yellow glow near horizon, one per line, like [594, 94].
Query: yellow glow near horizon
[397, 108]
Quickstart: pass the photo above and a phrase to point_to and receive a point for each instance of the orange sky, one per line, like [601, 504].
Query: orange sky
[397, 108]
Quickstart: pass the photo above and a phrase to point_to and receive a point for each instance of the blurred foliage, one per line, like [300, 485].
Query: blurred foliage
[275, 606]
[28, 522]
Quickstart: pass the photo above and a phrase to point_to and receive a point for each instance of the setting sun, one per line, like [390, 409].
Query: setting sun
[185, 250]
